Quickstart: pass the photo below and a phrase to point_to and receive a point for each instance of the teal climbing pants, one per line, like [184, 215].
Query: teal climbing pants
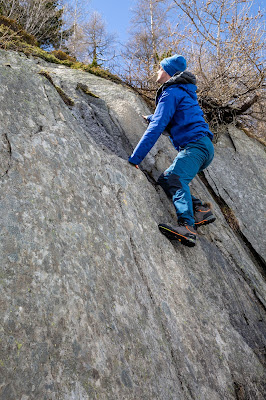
[193, 158]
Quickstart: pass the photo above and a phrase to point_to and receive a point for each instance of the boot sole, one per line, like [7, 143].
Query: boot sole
[206, 221]
[172, 235]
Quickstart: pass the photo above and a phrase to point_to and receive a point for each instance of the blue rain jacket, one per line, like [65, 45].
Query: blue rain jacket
[178, 112]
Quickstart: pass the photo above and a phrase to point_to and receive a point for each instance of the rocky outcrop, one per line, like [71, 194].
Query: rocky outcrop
[95, 302]
[238, 179]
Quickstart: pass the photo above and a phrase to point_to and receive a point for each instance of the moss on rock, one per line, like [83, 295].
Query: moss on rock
[85, 89]
[67, 100]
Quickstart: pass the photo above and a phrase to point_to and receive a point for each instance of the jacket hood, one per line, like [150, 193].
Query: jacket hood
[183, 78]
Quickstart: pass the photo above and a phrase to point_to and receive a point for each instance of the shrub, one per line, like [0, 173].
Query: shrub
[15, 27]
[61, 55]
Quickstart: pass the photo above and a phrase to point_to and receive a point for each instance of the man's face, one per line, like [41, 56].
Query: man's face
[162, 76]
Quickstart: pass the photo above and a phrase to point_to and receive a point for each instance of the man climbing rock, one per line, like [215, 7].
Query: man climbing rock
[178, 111]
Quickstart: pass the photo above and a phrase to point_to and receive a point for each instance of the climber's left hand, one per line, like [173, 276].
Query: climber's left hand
[134, 165]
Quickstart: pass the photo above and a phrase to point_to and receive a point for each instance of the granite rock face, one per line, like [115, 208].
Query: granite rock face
[95, 302]
[238, 176]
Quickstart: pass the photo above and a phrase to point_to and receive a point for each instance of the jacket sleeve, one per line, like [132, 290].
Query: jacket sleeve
[164, 112]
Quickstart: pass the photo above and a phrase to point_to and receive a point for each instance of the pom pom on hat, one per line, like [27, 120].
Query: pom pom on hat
[173, 64]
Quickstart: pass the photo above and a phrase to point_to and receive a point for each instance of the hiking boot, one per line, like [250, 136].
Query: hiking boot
[203, 215]
[182, 232]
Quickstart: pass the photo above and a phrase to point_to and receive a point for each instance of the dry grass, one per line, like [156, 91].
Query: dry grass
[230, 218]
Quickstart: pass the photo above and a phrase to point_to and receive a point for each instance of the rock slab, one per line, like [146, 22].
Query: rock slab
[95, 302]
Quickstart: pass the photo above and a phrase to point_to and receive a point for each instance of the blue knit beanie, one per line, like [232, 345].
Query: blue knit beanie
[173, 64]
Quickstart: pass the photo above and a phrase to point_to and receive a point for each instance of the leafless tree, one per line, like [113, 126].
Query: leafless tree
[99, 43]
[74, 17]
[225, 44]
[90, 41]
[151, 37]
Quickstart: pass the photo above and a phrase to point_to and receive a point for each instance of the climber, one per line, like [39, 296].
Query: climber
[178, 112]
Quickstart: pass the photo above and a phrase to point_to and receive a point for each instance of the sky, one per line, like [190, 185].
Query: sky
[116, 13]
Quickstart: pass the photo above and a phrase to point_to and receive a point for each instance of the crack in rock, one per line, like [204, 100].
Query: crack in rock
[7, 153]
[256, 258]
[232, 141]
